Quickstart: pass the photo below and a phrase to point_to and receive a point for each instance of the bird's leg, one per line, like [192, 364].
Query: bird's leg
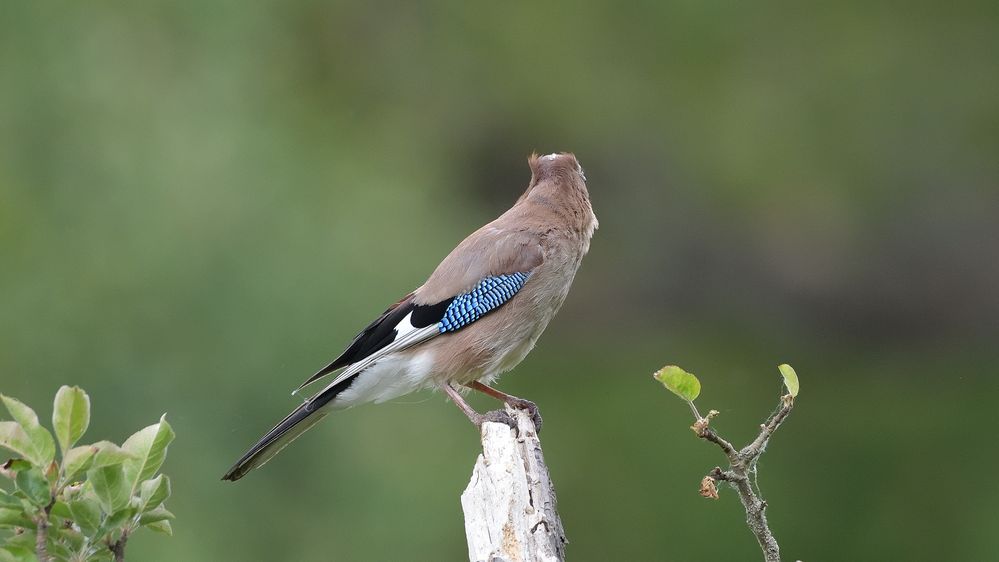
[513, 401]
[478, 419]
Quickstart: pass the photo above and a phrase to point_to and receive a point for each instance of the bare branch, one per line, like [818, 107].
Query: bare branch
[742, 464]
[754, 449]
[725, 475]
[702, 430]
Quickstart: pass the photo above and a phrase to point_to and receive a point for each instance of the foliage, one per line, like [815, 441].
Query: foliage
[790, 379]
[84, 504]
[679, 382]
[688, 387]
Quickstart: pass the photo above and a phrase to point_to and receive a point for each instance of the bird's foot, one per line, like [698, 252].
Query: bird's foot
[530, 407]
[497, 416]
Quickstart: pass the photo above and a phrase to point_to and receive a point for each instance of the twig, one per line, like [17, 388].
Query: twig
[118, 547]
[41, 539]
[42, 533]
[742, 464]
[754, 449]
[509, 504]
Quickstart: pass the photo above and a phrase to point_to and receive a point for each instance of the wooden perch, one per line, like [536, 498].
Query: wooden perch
[509, 504]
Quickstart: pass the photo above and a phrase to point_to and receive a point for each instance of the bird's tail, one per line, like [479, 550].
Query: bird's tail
[286, 431]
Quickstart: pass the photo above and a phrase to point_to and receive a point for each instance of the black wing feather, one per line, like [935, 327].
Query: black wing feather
[382, 332]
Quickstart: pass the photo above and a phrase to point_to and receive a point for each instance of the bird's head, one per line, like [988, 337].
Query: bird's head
[558, 182]
[559, 165]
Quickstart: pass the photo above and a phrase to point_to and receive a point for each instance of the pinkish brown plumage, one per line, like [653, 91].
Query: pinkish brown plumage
[477, 316]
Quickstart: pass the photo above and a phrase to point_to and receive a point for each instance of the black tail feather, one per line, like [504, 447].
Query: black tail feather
[263, 449]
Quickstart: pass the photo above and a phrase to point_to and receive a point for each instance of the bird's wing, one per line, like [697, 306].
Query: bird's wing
[478, 276]
[403, 324]
[487, 252]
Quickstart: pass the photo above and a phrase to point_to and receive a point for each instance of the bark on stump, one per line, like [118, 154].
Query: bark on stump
[509, 504]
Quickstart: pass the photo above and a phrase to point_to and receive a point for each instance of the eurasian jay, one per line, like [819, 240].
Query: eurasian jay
[476, 317]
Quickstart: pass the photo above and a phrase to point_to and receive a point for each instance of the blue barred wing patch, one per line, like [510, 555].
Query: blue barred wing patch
[490, 293]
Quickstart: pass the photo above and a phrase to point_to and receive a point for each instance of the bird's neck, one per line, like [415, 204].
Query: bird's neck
[570, 209]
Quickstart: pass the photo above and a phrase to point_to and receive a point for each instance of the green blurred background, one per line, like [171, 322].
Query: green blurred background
[202, 202]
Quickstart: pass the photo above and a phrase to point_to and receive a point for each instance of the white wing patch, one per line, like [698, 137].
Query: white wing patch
[408, 336]
[404, 326]
[389, 378]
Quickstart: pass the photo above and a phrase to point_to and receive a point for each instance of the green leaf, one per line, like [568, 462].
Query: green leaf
[110, 487]
[152, 516]
[98, 455]
[70, 415]
[63, 531]
[77, 459]
[24, 541]
[61, 509]
[35, 487]
[41, 440]
[14, 518]
[679, 382]
[73, 539]
[109, 454]
[56, 549]
[115, 521]
[161, 527]
[153, 492]
[149, 446]
[42, 446]
[87, 514]
[13, 437]
[790, 379]
[7, 500]
[21, 412]
[17, 553]
[13, 466]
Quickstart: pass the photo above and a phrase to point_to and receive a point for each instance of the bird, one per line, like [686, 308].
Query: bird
[477, 316]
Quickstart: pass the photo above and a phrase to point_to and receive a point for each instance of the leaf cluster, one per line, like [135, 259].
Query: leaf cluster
[87, 500]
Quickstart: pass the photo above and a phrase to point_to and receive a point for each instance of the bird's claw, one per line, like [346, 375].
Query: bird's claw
[497, 416]
[531, 408]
